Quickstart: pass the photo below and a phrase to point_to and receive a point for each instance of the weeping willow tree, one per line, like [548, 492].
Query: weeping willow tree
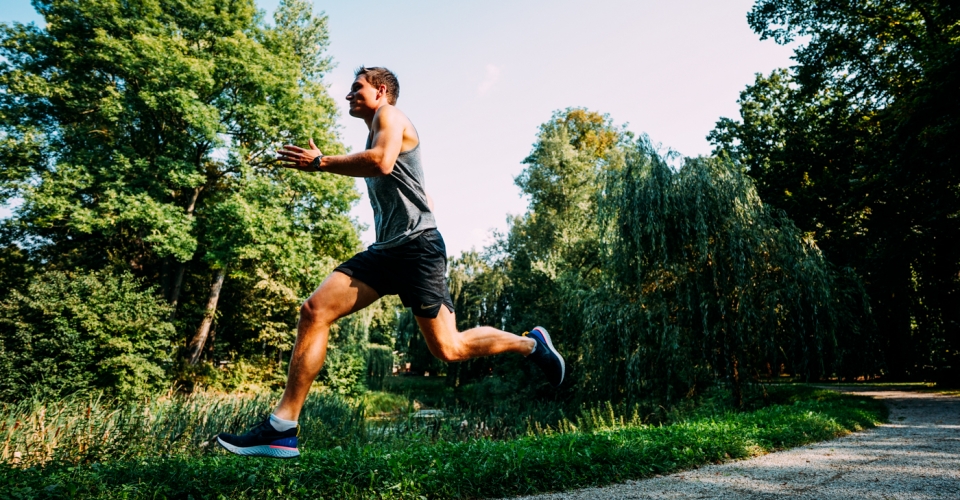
[379, 365]
[703, 282]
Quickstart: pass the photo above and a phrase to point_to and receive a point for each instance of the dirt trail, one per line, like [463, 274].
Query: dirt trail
[915, 456]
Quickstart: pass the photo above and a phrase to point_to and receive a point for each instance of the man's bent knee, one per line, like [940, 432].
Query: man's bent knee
[314, 311]
[449, 352]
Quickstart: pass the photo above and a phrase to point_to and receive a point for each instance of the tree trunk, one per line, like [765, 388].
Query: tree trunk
[195, 347]
[182, 266]
[175, 292]
[165, 279]
[737, 392]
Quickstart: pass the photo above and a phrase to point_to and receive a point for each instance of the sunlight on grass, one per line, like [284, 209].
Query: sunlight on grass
[455, 454]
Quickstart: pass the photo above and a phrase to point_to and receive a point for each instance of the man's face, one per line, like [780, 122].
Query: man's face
[362, 98]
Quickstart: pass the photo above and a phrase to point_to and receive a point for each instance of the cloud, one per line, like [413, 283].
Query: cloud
[491, 78]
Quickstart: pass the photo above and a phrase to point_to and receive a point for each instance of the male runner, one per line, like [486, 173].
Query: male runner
[408, 259]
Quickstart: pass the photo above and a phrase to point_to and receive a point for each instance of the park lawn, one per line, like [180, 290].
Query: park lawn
[475, 468]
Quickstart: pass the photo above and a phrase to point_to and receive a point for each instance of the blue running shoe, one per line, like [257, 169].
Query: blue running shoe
[262, 441]
[546, 356]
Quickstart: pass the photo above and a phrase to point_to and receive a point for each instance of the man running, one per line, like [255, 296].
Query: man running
[409, 259]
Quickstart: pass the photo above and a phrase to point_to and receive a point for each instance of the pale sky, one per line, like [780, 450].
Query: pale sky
[478, 78]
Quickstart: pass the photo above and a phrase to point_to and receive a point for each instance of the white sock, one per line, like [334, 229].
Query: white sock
[532, 350]
[281, 424]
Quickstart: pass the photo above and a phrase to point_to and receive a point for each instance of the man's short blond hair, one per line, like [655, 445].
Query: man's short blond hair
[377, 76]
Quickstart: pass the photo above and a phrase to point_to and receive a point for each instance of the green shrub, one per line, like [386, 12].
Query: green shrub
[379, 403]
[254, 374]
[344, 371]
[72, 331]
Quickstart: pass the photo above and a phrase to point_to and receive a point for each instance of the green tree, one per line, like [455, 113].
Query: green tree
[140, 135]
[656, 281]
[479, 286]
[856, 143]
[555, 246]
[68, 332]
[703, 283]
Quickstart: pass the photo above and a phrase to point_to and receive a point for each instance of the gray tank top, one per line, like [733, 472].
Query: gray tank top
[400, 209]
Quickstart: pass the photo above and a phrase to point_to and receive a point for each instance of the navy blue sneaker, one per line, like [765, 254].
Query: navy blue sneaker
[262, 441]
[546, 356]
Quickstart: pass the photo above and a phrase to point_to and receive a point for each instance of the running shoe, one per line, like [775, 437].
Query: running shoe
[546, 356]
[262, 441]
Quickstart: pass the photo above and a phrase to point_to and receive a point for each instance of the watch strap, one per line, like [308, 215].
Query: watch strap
[315, 164]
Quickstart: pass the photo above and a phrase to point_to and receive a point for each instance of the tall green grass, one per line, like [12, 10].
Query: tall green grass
[606, 446]
[88, 427]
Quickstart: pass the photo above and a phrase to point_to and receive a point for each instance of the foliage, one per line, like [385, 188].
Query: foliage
[384, 319]
[353, 363]
[655, 280]
[534, 274]
[140, 137]
[413, 348]
[856, 142]
[470, 468]
[379, 365]
[384, 403]
[68, 332]
[703, 282]
[555, 247]
[245, 375]
[344, 371]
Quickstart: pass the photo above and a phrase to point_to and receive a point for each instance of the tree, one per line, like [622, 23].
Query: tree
[703, 282]
[140, 135]
[856, 144]
[554, 247]
[656, 281]
[534, 275]
[68, 332]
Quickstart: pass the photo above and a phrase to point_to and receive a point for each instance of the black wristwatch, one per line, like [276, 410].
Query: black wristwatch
[316, 163]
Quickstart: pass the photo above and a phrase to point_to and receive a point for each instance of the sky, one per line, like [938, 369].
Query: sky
[477, 78]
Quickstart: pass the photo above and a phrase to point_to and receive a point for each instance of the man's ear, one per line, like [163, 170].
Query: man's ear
[381, 91]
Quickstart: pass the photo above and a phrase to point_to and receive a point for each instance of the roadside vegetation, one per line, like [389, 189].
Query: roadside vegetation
[117, 452]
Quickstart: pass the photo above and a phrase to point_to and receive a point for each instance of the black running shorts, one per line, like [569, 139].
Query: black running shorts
[415, 270]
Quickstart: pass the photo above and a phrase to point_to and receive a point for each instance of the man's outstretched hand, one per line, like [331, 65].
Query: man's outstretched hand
[291, 156]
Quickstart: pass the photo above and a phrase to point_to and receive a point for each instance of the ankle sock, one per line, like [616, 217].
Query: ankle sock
[534, 348]
[281, 424]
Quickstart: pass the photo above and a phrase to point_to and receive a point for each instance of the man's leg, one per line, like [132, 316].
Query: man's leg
[447, 344]
[339, 295]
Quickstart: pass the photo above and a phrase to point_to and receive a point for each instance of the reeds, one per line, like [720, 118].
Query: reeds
[88, 427]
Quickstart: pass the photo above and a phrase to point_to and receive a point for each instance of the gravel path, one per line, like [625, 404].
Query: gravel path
[915, 456]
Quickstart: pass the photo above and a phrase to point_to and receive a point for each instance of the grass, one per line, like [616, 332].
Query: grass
[932, 387]
[597, 448]
[86, 428]
[378, 403]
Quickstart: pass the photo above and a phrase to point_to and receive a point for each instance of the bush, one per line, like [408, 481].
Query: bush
[344, 371]
[376, 403]
[72, 331]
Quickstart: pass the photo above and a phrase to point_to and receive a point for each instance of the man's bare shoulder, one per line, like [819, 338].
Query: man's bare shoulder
[390, 115]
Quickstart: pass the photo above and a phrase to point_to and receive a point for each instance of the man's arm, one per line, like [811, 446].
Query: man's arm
[387, 129]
